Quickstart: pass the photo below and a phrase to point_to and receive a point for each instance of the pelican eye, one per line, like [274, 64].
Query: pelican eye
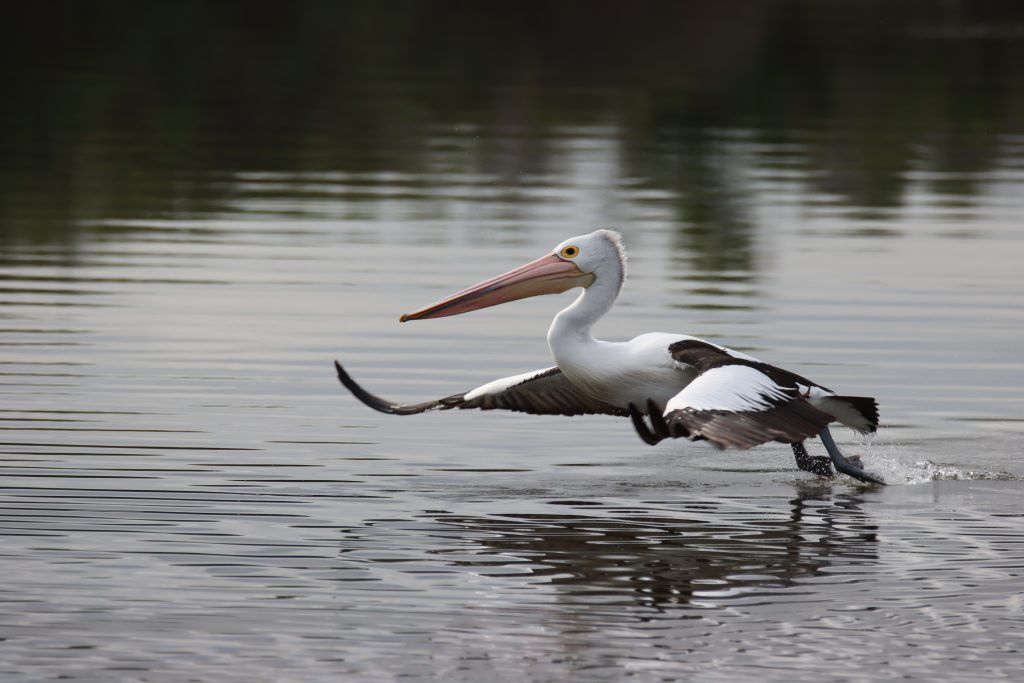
[570, 251]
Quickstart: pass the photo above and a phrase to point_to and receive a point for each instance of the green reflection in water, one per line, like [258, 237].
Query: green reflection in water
[135, 111]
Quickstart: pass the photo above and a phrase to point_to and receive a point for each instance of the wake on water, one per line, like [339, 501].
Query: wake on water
[899, 466]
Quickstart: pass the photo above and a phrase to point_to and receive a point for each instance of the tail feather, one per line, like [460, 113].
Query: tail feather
[856, 412]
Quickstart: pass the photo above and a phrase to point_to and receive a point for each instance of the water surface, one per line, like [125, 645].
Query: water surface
[186, 245]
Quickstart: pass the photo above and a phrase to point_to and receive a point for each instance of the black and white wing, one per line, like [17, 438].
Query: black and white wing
[541, 392]
[739, 402]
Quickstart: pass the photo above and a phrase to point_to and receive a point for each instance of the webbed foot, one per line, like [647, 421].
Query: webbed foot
[820, 465]
[852, 467]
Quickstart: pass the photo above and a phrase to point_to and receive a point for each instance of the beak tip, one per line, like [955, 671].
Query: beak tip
[402, 318]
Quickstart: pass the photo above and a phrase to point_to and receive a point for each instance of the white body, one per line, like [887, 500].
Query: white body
[633, 372]
[642, 368]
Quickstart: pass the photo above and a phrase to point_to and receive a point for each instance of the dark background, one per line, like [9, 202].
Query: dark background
[114, 109]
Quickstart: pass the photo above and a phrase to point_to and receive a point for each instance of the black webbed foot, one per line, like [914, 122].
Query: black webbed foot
[820, 465]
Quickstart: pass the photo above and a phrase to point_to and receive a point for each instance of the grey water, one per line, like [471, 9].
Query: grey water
[201, 207]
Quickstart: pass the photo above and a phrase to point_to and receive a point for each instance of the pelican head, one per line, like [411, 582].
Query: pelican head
[577, 262]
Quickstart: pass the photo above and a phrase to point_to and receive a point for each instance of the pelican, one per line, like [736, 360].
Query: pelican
[687, 387]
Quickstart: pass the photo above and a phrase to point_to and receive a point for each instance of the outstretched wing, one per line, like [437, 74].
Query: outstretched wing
[737, 402]
[541, 392]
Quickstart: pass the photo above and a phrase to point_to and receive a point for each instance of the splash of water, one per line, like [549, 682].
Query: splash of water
[898, 465]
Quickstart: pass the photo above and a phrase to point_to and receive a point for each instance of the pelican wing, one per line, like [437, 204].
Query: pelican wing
[736, 402]
[541, 392]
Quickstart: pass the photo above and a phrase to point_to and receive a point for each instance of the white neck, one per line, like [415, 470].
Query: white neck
[574, 322]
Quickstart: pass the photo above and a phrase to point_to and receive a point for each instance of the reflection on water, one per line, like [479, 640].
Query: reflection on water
[854, 99]
[191, 230]
[302, 574]
[709, 553]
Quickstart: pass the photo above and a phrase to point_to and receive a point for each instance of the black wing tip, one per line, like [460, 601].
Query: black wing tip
[368, 399]
[384, 406]
[867, 406]
[346, 379]
[869, 409]
[343, 376]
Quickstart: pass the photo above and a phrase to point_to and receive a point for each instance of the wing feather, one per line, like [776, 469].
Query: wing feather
[737, 402]
[542, 392]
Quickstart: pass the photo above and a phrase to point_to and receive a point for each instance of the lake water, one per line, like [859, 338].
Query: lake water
[190, 237]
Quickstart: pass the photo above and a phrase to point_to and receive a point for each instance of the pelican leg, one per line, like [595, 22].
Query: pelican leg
[848, 466]
[649, 437]
[815, 464]
[661, 428]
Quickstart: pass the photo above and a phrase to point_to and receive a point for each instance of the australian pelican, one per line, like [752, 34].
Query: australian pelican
[686, 387]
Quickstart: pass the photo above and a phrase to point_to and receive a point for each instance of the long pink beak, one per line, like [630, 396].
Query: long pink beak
[549, 274]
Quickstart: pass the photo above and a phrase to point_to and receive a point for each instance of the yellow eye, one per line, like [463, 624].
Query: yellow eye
[570, 251]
